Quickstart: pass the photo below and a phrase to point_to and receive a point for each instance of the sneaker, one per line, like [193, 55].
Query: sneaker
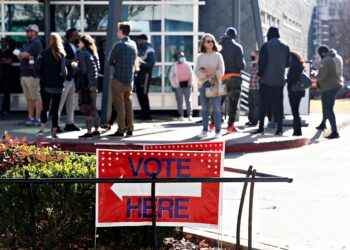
[129, 133]
[217, 135]
[211, 127]
[71, 127]
[29, 122]
[190, 118]
[251, 124]
[322, 126]
[87, 135]
[96, 133]
[37, 122]
[181, 118]
[40, 132]
[204, 134]
[333, 135]
[231, 129]
[117, 134]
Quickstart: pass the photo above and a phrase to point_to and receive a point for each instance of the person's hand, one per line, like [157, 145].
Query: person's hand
[74, 64]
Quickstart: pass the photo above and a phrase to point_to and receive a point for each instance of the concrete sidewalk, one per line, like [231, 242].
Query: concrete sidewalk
[165, 129]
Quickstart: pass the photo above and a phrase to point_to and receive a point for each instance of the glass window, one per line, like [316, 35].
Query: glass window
[178, 18]
[156, 82]
[167, 87]
[175, 44]
[18, 16]
[96, 18]
[66, 17]
[144, 18]
[155, 41]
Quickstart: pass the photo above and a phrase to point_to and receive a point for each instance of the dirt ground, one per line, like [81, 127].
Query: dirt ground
[342, 106]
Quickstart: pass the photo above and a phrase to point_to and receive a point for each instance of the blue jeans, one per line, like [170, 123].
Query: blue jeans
[205, 103]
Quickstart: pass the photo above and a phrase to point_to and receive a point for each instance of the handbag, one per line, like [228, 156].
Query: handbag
[216, 89]
[302, 84]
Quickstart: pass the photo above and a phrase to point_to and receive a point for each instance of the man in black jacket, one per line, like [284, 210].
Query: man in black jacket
[68, 96]
[144, 76]
[273, 60]
[232, 53]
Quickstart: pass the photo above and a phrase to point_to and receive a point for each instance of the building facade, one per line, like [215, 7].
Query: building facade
[172, 26]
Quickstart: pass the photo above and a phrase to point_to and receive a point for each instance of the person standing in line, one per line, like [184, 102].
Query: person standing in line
[89, 65]
[209, 65]
[122, 58]
[232, 53]
[181, 78]
[144, 75]
[274, 58]
[297, 66]
[6, 59]
[51, 69]
[339, 63]
[30, 81]
[254, 93]
[329, 79]
[68, 96]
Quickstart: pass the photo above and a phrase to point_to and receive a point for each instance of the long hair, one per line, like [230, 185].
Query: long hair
[89, 42]
[299, 59]
[217, 47]
[56, 45]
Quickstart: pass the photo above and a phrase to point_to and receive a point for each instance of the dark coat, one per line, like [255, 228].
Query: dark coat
[232, 53]
[295, 69]
[89, 67]
[50, 70]
[70, 57]
[274, 58]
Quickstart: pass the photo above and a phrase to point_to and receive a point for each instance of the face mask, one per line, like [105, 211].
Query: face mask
[252, 58]
[182, 59]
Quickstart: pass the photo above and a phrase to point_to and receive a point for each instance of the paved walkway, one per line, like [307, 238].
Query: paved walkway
[164, 129]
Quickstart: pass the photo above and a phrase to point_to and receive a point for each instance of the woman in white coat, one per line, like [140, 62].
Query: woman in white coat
[181, 77]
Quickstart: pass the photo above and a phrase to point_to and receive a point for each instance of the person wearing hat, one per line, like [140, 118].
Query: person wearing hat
[30, 81]
[274, 58]
[144, 75]
[232, 53]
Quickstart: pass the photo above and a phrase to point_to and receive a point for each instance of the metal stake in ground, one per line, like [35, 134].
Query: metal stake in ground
[154, 226]
[31, 210]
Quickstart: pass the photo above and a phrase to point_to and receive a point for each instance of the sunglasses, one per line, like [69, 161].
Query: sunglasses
[209, 41]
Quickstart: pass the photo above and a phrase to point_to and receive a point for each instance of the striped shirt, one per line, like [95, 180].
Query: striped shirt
[254, 83]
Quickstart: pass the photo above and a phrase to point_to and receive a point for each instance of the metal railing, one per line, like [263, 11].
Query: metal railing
[252, 176]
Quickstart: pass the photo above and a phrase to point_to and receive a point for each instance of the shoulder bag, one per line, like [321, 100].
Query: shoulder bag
[302, 84]
[215, 89]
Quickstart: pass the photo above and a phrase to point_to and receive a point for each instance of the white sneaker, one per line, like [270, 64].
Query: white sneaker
[204, 134]
[190, 118]
[181, 118]
[217, 135]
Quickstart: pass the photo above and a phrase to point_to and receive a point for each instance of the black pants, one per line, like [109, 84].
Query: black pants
[271, 96]
[113, 116]
[142, 83]
[6, 87]
[294, 101]
[48, 100]
[328, 100]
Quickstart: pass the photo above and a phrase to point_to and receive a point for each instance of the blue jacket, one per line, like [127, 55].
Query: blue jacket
[146, 53]
[89, 66]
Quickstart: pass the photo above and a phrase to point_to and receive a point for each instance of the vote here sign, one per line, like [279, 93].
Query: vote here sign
[177, 204]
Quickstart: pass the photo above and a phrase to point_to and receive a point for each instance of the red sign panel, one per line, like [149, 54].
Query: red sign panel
[177, 204]
[193, 146]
